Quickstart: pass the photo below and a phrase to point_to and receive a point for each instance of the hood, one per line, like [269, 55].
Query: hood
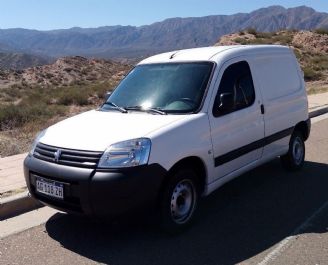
[96, 130]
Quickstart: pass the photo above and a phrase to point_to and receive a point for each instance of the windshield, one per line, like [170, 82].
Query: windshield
[169, 87]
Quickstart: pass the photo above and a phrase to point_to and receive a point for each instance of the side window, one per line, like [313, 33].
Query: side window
[237, 88]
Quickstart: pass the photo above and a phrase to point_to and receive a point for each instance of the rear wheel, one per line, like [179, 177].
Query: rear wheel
[179, 200]
[294, 159]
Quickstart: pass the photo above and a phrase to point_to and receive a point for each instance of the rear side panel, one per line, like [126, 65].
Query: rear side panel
[284, 98]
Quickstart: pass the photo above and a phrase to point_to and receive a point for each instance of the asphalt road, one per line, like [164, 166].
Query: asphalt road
[267, 216]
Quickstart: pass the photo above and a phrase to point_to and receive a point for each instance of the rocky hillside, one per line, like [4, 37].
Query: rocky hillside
[65, 71]
[34, 98]
[310, 47]
[170, 34]
[18, 61]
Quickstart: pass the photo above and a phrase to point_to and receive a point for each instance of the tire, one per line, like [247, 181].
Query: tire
[294, 159]
[179, 201]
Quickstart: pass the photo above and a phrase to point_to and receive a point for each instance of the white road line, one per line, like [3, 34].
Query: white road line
[288, 240]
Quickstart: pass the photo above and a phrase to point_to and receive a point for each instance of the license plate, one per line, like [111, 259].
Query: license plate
[50, 188]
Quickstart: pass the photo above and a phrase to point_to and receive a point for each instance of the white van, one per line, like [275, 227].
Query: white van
[177, 127]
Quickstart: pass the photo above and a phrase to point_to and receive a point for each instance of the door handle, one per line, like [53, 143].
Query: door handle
[262, 108]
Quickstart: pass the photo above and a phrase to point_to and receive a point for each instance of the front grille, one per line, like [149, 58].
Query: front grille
[74, 158]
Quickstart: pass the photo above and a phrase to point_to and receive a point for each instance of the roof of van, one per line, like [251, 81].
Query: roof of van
[212, 53]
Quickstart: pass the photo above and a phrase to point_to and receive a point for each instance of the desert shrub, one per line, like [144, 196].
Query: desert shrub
[240, 41]
[283, 39]
[264, 35]
[91, 77]
[13, 91]
[49, 75]
[13, 116]
[78, 83]
[252, 31]
[24, 83]
[55, 83]
[292, 30]
[317, 89]
[19, 86]
[101, 89]
[36, 96]
[85, 71]
[310, 74]
[8, 147]
[260, 41]
[298, 54]
[40, 104]
[68, 69]
[320, 62]
[298, 45]
[72, 96]
[322, 31]
[6, 98]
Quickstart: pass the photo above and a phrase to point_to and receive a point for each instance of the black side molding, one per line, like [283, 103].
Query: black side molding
[222, 159]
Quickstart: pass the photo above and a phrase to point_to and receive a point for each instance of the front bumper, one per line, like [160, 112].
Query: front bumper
[97, 192]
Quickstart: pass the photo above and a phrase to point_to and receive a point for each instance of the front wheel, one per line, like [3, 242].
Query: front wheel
[294, 159]
[179, 200]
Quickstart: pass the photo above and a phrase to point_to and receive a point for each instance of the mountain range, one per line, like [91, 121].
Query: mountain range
[171, 34]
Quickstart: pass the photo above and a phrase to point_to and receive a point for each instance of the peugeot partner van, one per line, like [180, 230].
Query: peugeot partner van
[177, 127]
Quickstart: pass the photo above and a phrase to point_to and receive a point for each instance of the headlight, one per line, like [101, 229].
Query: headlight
[36, 141]
[129, 153]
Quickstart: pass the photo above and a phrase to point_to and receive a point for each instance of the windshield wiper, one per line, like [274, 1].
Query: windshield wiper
[153, 110]
[121, 109]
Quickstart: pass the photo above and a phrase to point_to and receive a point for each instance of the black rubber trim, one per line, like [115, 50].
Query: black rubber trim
[308, 123]
[234, 154]
[279, 135]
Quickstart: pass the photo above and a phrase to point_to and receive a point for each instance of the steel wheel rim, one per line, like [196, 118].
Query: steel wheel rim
[298, 150]
[183, 201]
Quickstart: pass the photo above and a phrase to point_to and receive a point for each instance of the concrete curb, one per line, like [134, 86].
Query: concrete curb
[17, 204]
[21, 203]
[318, 112]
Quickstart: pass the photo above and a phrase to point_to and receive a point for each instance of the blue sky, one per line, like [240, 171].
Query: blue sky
[55, 14]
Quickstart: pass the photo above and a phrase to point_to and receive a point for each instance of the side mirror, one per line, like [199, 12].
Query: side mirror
[226, 102]
[107, 95]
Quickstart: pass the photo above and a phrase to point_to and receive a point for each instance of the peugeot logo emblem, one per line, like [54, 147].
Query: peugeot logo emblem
[57, 155]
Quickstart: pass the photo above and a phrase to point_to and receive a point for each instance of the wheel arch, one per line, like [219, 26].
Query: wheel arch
[193, 162]
[304, 128]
